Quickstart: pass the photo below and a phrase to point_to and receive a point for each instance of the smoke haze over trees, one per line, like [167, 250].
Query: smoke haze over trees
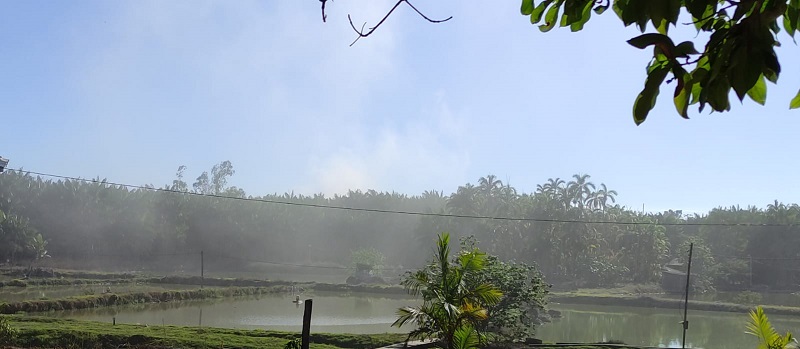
[81, 220]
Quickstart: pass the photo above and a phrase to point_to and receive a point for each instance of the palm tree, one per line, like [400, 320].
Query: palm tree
[551, 186]
[580, 189]
[464, 200]
[489, 185]
[450, 308]
[599, 199]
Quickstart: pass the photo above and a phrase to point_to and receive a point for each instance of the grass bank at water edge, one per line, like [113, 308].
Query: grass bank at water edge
[650, 302]
[43, 332]
[111, 299]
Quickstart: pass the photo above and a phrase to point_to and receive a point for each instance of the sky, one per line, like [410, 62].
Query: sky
[130, 90]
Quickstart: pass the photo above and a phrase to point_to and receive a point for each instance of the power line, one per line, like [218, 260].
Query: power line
[411, 213]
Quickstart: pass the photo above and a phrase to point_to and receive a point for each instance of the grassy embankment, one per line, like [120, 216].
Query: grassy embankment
[64, 333]
[40, 332]
[654, 302]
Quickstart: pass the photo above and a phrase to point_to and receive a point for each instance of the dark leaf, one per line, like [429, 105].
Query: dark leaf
[647, 98]
[744, 71]
[685, 49]
[683, 94]
[644, 40]
[759, 91]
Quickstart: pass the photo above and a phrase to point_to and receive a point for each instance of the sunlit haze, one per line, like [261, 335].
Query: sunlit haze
[130, 90]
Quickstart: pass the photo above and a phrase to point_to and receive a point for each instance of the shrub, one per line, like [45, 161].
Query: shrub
[7, 332]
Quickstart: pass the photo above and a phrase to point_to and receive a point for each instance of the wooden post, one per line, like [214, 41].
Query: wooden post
[202, 271]
[306, 324]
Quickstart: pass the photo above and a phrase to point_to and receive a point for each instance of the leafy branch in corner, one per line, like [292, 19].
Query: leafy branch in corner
[739, 53]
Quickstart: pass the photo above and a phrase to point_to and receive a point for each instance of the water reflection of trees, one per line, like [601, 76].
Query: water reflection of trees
[656, 327]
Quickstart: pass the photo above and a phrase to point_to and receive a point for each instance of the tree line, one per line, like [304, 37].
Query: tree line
[80, 219]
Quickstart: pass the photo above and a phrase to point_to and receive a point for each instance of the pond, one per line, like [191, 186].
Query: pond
[331, 313]
[654, 327]
[374, 314]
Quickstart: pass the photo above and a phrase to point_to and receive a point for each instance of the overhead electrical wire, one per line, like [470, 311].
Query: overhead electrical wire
[411, 213]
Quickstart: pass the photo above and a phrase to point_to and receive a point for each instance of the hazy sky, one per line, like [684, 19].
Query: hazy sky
[130, 90]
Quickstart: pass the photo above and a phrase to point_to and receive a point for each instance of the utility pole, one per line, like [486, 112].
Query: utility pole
[202, 271]
[685, 322]
[751, 272]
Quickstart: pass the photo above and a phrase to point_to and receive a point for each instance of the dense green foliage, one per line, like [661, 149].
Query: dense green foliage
[131, 228]
[18, 239]
[739, 49]
[116, 226]
[369, 258]
[522, 307]
[7, 332]
[454, 301]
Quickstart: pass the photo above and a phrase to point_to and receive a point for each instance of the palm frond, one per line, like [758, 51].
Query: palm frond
[472, 261]
[465, 337]
[760, 327]
[408, 314]
[473, 312]
[487, 293]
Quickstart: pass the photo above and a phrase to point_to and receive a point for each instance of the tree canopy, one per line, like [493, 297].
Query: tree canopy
[739, 49]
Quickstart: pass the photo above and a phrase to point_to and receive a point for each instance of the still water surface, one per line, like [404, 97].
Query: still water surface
[374, 314]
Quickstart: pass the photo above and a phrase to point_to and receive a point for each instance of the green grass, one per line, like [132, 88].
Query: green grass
[42, 332]
[64, 282]
[65, 333]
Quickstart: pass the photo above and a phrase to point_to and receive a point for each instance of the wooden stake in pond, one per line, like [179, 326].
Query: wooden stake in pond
[306, 324]
[685, 322]
[202, 271]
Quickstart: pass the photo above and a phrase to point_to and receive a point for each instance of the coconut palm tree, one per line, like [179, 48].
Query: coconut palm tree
[450, 308]
[580, 189]
[599, 199]
[489, 185]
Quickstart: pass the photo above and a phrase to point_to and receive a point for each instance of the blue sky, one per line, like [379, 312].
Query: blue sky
[130, 90]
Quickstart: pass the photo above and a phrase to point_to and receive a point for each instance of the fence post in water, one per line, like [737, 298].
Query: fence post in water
[202, 271]
[306, 324]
